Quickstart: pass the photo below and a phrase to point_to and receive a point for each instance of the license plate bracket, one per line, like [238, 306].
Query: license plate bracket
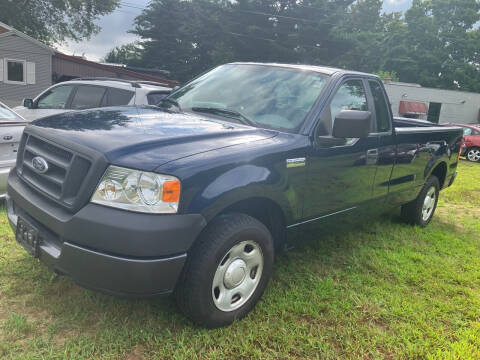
[27, 236]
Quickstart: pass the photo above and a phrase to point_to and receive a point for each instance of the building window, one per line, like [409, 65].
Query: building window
[15, 71]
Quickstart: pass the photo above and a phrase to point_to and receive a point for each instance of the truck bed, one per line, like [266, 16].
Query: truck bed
[407, 122]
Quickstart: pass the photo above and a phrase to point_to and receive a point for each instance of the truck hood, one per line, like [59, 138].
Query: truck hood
[146, 137]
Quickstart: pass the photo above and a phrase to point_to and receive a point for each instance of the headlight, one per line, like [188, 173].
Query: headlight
[138, 191]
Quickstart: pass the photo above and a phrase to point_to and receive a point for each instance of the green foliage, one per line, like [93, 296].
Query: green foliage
[125, 54]
[189, 37]
[384, 75]
[435, 43]
[440, 44]
[54, 21]
[17, 324]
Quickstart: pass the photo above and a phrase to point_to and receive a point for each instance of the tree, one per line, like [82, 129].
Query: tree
[126, 54]
[437, 45]
[188, 37]
[52, 21]
[387, 75]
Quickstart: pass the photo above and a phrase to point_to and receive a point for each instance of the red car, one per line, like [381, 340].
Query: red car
[470, 147]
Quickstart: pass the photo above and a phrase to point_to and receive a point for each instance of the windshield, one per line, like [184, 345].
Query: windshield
[266, 96]
[8, 115]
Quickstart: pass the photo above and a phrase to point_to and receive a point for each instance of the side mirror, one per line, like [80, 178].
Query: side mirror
[28, 103]
[352, 124]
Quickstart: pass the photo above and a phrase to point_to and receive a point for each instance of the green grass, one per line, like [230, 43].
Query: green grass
[382, 291]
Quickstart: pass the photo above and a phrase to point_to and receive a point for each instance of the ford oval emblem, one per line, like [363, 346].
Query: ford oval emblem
[40, 164]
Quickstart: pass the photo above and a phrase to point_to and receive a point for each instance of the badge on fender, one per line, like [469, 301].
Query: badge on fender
[291, 163]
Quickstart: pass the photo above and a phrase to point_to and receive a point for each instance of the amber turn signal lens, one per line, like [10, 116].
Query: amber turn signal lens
[171, 191]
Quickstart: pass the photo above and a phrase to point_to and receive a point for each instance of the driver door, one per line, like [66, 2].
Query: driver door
[340, 177]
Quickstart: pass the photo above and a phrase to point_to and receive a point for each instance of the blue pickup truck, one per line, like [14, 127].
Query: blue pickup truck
[195, 195]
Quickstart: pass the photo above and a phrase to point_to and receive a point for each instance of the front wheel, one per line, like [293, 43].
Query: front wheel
[473, 154]
[420, 211]
[227, 271]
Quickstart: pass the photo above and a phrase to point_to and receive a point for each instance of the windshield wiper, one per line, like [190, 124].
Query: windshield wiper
[170, 101]
[226, 112]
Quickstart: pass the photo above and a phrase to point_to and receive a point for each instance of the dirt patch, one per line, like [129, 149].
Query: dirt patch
[136, 353]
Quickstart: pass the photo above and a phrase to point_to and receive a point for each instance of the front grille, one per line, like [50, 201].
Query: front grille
[66, 169]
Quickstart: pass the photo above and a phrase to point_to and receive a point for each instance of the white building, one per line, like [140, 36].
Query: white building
[436, 105]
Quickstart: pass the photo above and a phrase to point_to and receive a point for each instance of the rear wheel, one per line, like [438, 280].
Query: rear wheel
[227, 271]
[420, 211]
[473, 154]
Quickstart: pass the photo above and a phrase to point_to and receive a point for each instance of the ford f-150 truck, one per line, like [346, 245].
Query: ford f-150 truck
[194, 196]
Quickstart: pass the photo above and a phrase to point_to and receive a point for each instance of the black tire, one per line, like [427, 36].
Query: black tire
[195, 291]
[473, 154]
[412, 212]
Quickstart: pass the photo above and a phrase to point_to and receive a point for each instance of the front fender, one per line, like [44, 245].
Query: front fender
[241, 183]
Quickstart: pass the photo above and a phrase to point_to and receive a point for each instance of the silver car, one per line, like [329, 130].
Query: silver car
[11, 129]
[89, 93]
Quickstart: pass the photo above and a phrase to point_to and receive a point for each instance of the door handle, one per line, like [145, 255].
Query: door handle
[7, 137]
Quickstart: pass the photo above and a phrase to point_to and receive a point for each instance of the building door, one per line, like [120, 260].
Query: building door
[434, 112]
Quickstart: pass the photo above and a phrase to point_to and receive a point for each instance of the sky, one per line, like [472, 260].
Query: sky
[115, 26]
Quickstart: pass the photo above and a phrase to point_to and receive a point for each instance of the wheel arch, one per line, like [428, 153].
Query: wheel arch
[264, 209]
[440, 171]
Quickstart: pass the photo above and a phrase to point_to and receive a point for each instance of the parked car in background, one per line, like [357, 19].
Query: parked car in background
[11, 129]
[88, 93]
[470, 147]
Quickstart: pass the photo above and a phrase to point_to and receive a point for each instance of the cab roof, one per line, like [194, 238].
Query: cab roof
[316, 68]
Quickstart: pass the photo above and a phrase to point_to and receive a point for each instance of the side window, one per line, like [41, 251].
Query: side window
[467, 131]
[155, 97]
[55, 98]
[350, 96]
[118, 97]
[88, 97]
[381, 109]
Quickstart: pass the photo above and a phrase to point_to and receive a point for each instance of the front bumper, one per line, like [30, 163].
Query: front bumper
[107, 249]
